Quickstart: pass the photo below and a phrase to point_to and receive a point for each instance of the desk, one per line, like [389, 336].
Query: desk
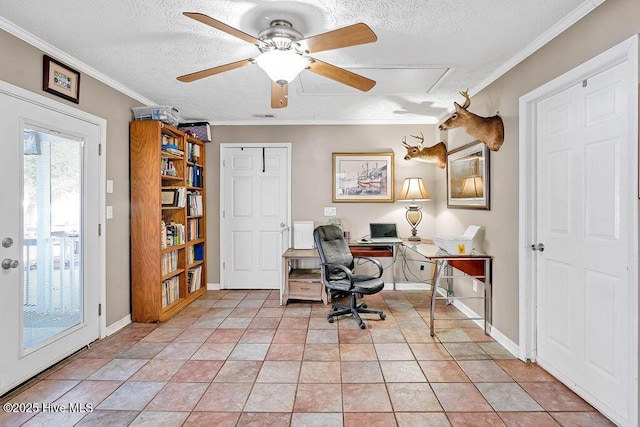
[307, 284]
[477, 266]
[301, 283]
[375, 250]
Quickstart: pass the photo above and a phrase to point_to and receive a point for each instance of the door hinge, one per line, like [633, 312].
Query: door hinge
[99, 229]
[99, 309]
[223, 265]
[99, 149]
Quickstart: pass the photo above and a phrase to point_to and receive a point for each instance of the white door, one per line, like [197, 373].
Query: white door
[583, 220]
[255, 216]
[49, 281]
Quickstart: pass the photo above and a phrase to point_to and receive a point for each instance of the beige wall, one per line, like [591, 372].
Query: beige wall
[21, 65]
[311, 164]
[609, 24]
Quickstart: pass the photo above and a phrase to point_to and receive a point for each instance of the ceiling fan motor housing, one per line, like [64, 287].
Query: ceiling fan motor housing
[280, 35]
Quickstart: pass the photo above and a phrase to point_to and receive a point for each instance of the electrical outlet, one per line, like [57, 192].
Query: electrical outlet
[421, 267]
[475, 285]
[330, 211]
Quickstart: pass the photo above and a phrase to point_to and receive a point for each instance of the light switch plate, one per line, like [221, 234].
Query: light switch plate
[109, 212]
[109, 186]
[330, 211]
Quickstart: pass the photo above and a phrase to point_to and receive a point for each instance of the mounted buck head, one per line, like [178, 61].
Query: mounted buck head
[489, 130]
[436, 154]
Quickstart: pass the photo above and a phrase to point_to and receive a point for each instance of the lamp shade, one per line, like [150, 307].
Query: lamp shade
[282, 65]
[413, 189]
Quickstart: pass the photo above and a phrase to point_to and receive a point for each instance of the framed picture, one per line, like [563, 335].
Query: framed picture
[169, 197]
[468, 176]
[61, 80]
[363, 177]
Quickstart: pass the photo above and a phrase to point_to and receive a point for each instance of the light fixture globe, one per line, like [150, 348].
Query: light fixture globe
[282, 66]
[413, 190]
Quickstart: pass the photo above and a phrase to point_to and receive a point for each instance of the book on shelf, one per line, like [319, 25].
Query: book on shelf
[194, 203]
[193, 229]
[194, 278]
[169, 262]
[172, 234]
[170, 290]
[168, 168]
[193, 152]
[195, 253]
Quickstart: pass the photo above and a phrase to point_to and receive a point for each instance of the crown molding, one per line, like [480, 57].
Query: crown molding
[69, 60]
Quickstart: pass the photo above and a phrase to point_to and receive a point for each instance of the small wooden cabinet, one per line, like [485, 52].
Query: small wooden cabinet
[168, 221]
[301, 283]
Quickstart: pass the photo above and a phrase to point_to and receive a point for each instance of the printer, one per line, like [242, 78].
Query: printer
[471, 241]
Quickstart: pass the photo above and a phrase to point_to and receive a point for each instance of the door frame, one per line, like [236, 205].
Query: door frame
[51, 104]
[223, 147]
[626, 51]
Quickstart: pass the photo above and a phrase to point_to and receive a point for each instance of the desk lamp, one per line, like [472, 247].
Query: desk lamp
[413, 190]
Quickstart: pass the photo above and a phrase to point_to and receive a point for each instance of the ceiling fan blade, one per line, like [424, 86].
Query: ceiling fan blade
[215, 70]
[279, 95]
[352, 35]
[341, 75]
[223, 27]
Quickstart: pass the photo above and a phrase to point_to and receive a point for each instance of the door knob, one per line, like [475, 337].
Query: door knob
[7, 242]
[10, 263]
[538, 247]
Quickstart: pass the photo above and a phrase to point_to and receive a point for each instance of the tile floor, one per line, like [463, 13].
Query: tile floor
[237, 358]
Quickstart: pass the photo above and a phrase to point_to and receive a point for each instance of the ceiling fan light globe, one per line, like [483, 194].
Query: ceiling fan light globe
[282, 65]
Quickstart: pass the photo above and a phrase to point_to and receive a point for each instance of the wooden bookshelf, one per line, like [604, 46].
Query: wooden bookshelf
[168, 220]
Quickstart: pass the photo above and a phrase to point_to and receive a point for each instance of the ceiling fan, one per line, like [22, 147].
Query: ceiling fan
[284, 53]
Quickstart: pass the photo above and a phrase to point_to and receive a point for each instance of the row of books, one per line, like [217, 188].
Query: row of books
[169, 140]
[169, 262]
[194, 203]
[172, 234]
[193, 229]
[194, 176]
[193, 152]
[168, 168]
[170, 290]
[194, 278]
[195, 253]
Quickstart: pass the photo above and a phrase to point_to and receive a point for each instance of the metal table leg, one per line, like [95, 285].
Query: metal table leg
[440, 267]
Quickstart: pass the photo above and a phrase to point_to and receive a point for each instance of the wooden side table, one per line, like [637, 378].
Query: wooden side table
[301, 283]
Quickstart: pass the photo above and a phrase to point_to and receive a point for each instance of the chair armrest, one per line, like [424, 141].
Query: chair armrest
[374, 261]
[341, 267]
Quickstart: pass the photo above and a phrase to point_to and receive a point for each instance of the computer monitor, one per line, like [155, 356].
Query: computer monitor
[383, 230]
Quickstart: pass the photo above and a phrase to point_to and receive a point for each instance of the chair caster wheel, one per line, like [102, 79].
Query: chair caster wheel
[334, 308]
[362, 326]
[383, 316]
[364, 305]
[329, 319]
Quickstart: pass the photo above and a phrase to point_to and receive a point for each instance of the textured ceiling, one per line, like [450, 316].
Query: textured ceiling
[426, 52]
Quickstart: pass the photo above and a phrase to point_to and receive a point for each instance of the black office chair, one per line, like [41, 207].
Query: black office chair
[338, 276]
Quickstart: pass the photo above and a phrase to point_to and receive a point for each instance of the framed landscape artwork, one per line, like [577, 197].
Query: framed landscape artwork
[468, 177]
[363, 177]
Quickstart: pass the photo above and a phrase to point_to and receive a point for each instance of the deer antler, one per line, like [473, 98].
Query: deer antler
[420, 138]
[467, 101]
[404, 142]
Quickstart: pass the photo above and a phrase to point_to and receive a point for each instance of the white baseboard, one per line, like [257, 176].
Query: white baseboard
[213, 286]
[509, 345]
[116, 326]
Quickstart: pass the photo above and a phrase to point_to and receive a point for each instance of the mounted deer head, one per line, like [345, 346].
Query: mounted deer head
[489, 130]
[436, 154]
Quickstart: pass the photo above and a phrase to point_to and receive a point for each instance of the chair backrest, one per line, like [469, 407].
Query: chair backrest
[333, 249]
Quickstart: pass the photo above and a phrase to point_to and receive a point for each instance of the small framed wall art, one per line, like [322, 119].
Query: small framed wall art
[363, 177]
[61, 80]
[468, 176]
